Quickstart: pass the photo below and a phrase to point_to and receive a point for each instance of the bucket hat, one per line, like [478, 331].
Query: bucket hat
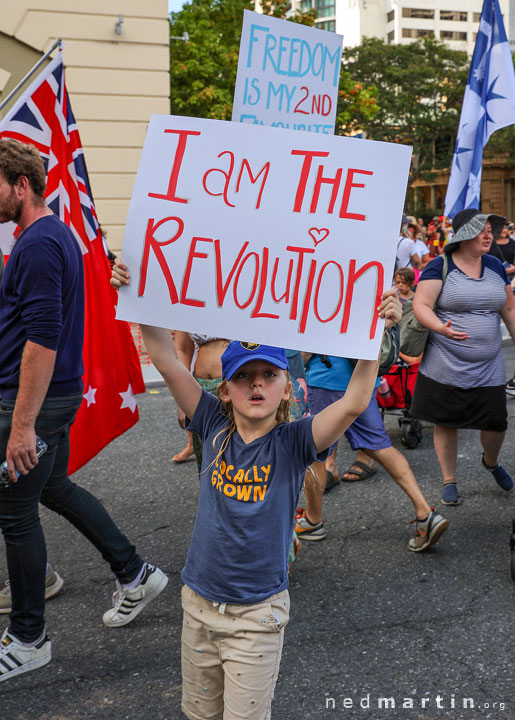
[467, 224]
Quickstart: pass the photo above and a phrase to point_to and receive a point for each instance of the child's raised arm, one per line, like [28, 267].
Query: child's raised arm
[160, 347]
[180, 381]
[330, 424]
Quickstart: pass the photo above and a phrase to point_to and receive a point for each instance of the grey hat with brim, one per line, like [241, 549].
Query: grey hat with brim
[467, 224]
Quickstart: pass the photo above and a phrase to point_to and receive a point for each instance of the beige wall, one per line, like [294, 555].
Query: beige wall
[115, 81]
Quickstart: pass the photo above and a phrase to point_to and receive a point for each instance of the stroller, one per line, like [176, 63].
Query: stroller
[395, 393]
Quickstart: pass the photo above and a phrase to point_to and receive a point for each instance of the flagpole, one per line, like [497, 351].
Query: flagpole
[29, 74]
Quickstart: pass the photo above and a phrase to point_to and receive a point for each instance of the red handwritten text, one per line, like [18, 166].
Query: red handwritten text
[249, 281]
[335, 182]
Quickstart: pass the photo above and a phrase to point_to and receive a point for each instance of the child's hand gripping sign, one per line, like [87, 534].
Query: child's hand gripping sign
[263, 234]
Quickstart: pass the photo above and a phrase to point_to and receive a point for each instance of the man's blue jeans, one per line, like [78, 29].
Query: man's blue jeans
[49, 484]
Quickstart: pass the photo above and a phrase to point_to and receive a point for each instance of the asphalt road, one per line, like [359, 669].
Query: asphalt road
[433, 633]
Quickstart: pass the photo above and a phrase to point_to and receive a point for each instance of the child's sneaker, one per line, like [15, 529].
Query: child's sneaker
[53, 583]
[427, 531]
[16, 658]
[450, 494]
[127, 604]
[306, 530]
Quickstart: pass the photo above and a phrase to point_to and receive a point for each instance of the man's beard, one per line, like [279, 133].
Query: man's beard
[11, 209]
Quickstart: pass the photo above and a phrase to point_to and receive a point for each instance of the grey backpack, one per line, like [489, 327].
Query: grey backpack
[413, 335]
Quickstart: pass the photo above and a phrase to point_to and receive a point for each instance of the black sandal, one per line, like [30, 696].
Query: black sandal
[363, 472]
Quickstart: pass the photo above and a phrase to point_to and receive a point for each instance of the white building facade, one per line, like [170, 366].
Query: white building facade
[454, 22]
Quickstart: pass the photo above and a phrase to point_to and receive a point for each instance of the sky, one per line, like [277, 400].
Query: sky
[175, 5]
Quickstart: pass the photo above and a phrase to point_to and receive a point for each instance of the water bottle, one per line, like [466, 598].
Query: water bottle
[385, 393]
[5, 480]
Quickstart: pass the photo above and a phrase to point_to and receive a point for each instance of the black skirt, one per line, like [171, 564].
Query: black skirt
[478, 408]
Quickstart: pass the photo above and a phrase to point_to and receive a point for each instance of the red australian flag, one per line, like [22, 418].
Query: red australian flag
[112, 374]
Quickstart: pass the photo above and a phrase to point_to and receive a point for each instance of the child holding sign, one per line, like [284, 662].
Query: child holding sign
[235, 598]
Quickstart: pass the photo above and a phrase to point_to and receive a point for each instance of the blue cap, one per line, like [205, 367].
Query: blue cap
[238, 353]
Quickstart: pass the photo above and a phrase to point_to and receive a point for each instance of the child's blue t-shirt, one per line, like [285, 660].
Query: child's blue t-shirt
[246, 509]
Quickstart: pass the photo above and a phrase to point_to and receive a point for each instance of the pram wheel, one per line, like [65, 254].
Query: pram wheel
[411, 432]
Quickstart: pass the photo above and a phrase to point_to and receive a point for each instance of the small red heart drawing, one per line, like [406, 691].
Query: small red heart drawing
[318, 234]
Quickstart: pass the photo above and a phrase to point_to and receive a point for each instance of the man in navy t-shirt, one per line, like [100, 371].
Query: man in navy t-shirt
[41, 337]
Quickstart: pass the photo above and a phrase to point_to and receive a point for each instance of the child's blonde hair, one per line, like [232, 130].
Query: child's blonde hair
[283, 414]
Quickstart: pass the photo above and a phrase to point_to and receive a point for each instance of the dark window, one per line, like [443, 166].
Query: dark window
[390, 37]
[452, 35]
[476, 17]
[325, 8]
[327, 25]
[415, 33]
[455, 15]
[418, 13]
[391, 16]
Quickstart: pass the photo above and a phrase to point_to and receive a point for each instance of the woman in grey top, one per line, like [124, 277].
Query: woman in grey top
[461, 382]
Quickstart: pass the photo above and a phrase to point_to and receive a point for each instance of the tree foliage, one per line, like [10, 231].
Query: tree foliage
[501, 145]
[357, 105]
[203, 70]
[419, 89]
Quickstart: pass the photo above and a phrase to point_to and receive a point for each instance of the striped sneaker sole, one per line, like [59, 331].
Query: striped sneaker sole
[17, 661]
[131, 607]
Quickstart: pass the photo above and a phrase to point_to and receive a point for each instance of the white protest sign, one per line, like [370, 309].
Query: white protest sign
[288, 75]
[263, 235]
[7, 238]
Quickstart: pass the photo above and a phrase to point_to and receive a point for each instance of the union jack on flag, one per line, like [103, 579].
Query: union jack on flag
[112, 375]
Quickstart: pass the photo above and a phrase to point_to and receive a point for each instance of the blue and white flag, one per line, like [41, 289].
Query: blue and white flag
[488, 105]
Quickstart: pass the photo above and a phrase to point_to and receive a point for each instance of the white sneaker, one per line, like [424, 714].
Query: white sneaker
[127, 604]
[16, 659]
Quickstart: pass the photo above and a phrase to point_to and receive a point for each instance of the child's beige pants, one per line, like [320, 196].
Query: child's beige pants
[230, 656]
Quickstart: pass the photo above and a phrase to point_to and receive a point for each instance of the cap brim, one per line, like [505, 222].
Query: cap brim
[237, 364]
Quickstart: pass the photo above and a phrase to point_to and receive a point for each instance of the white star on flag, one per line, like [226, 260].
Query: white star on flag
[474, 187]
[479, 72]
[90, 395]
[128, 399]
[488, 106]
[485, 27]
